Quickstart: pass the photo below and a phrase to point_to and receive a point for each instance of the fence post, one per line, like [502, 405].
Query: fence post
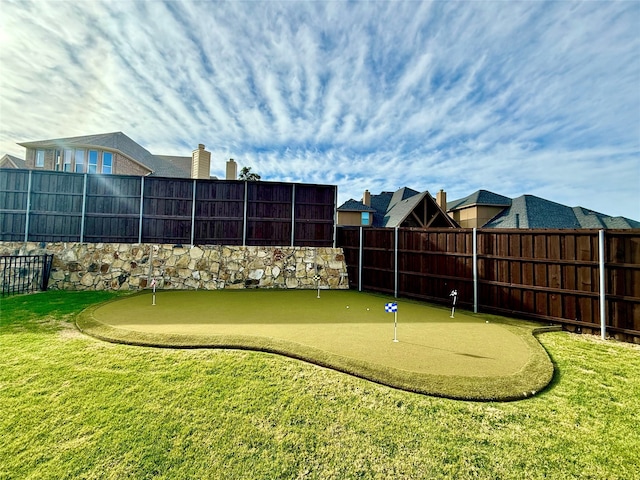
[141, 207]
[475, 270]
[47, 259]
[193, 211]
[335, 216]
[84, 207]
[603, 296]
[28, 212]
[395, 262]
[360, 263]
[293, 213]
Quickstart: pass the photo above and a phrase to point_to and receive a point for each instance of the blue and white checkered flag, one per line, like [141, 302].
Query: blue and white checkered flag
[391, 307]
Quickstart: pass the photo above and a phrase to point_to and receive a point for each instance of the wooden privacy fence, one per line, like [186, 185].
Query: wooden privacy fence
[583, 279]
[67, 207]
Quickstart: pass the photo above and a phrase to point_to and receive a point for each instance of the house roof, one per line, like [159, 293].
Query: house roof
[159, 165]
[391, 209]
[399, 210]
[529, 211]
[481, 197]
[12, 161]
[352, 205]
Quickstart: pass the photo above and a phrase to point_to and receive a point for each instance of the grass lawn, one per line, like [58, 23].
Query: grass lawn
[470, 357]
[77, 407]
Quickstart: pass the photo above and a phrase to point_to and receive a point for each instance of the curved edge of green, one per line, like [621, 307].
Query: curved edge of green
[533, 378]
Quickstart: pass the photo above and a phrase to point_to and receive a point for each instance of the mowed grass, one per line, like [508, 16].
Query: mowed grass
[467, 357]
[76, 407]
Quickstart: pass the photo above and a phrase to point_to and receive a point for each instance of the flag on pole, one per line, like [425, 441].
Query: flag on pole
[153, 283]
[454, 295]
[391, 307]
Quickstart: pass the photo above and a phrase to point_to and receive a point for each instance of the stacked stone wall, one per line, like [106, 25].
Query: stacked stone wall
[124, 266]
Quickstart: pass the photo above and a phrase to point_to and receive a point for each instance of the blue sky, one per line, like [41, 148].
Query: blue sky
[517, 98]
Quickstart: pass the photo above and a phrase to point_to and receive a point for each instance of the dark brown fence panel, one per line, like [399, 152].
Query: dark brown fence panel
[548, 275]
[432, 263]
[314, 212]
[112, 211]
[269, 213]
[167, 210]
[14, 185]
[622, 253]
[56, 207]
[219, 215]
[274, 212]
[378, 268]
[536, 274]
[349, 239]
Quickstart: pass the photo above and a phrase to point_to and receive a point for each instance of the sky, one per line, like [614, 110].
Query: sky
[530, 97]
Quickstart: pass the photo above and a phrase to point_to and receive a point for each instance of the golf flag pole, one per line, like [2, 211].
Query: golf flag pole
[153, 285]
[395, 326]
[454, 294]
[316, 277]
[392, 307]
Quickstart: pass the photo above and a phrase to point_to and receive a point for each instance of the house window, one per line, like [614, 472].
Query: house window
[40, 158]
[79, 161]
[92, 166]
[107, 162]
[364, 218]
[58, 160]
[68, 158]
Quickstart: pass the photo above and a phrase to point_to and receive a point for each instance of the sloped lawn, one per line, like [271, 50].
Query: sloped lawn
[77, 407]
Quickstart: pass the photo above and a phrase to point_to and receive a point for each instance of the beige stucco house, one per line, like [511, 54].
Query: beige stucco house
[114, 153]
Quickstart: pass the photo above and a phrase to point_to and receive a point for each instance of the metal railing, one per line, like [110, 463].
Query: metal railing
[24, 273]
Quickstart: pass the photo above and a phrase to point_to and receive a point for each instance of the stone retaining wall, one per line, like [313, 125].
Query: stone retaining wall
[112, 266]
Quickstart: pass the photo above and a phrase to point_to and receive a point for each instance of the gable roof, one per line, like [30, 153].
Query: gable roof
[158, 165]
[400, 208]
[393, 209]
[529, 211]
[11, 161]
[481, 197]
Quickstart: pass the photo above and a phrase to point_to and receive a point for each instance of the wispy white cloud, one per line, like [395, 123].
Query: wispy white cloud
[514, 97]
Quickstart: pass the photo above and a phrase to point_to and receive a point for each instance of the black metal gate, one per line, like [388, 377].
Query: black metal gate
[24, 273]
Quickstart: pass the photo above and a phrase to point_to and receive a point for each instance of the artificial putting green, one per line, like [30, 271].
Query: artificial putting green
[470, 356]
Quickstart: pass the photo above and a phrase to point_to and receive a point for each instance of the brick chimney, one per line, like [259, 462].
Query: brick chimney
[441, 199]
[200, 163]
[366, 198]
[232, 170]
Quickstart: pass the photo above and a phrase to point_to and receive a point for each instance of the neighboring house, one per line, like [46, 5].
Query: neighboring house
[489, 210]
[477, 209]
[113, 153]
[402, 208]
[9, 161]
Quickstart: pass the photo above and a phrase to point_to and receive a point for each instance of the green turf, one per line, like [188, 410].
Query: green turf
[75, 407]
[468, 357]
